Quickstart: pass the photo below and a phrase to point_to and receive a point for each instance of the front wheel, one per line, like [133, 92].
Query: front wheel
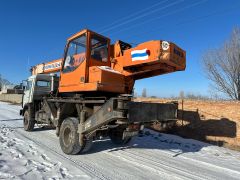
[69, 137]
[28, 122]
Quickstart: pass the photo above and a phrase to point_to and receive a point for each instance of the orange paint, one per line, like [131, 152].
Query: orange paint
[122, 66]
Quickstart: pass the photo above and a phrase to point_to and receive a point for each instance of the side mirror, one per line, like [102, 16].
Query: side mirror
[24, 84]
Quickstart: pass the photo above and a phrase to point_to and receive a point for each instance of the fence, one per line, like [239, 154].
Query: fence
[13, 98]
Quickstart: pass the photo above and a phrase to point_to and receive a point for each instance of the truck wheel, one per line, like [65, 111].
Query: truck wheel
[69, 137]
[116, 137]
[87, 145]
[28, 122]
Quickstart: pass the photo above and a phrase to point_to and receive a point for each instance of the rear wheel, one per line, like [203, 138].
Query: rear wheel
[87, 145]
[28, 122]
[69, 137]
[116, 136]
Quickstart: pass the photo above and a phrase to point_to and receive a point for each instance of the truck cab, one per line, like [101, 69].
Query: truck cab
[38, 86]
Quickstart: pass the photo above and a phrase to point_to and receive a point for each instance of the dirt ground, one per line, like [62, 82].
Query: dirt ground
[216, 122]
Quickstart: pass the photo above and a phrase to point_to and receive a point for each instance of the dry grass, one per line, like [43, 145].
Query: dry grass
[217, 122]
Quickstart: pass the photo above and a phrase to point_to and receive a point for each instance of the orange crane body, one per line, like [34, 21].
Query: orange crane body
[120, 68]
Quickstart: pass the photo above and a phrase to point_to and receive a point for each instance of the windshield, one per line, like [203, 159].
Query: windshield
[41, 83]
[76, 53]
[99, 48]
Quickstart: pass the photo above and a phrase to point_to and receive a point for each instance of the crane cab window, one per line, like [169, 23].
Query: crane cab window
[99, 48]
[76, 53]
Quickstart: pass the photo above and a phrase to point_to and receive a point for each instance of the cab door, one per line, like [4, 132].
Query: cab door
[75, 62]
[27, 94]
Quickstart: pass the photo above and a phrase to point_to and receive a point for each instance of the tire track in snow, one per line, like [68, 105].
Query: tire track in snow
[83, 166]
[196, 161]
[155, 166]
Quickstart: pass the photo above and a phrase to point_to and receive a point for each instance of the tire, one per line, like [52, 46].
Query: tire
[28, 122]
[69, 137]
[87, 145]
[116, 137]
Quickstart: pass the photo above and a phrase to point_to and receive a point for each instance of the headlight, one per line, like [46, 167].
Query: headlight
[165, 45]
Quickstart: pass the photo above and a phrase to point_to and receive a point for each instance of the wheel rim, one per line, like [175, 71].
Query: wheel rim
[67, 136]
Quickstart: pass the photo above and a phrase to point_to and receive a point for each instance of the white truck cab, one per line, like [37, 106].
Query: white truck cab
[38, 86]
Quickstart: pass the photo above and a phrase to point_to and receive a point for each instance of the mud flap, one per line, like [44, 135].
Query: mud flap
[129, 134]
[21, 112]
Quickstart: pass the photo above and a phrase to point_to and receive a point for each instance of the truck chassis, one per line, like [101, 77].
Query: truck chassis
[80, 120]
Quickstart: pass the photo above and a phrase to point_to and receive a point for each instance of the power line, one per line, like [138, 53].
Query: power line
[159, 17]
[134, 14]
[189, 21]
[141, 16]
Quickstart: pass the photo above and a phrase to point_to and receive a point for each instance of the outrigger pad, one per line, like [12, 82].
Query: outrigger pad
[148, 112]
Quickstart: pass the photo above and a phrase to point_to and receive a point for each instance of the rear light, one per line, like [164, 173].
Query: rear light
[134, 127]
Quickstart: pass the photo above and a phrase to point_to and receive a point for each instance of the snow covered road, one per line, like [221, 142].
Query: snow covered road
[37, 155]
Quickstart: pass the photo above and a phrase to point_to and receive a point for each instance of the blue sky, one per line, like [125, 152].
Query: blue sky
[32, 32]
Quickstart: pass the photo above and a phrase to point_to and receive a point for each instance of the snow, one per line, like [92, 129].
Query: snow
[22, 159]
[37, 155]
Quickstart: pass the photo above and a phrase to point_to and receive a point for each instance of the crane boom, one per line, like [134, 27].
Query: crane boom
[49, 67]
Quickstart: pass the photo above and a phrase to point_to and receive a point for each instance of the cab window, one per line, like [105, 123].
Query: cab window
[43, 83]
[99, 48]
[29, 85]
[76, 53]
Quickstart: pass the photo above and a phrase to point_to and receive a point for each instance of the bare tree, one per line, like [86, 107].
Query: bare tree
[222, 66]
[144, 92]
[4, 82]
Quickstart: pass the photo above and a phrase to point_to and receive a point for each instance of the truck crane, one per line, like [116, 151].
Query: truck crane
[87, 94]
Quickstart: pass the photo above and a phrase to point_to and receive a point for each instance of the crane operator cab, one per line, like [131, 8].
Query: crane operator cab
[87, 66]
